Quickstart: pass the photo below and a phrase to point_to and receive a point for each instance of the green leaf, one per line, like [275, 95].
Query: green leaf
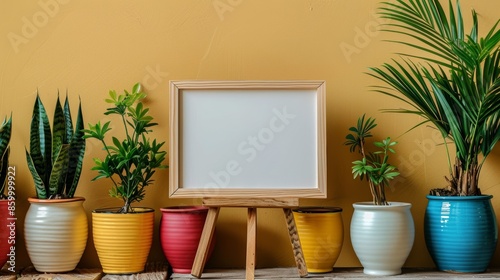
[97, 131]
[76, 155]
[5, 134]
[136, 88]
[57, 178]
[68, 120]
[40, 141]
[41, 189]
[4, 167]
[113, 99]
[58, 129]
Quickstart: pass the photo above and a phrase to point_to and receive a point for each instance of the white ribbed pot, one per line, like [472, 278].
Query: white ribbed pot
[382, 236]
[55, 232]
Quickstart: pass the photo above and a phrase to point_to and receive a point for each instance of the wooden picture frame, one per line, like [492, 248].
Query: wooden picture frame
[247, 139]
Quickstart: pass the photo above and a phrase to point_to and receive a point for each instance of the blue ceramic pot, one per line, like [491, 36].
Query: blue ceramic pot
[460, 232]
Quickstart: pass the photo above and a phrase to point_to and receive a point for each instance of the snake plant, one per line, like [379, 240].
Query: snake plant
[5, 132]
[55, 157]
[451, 81]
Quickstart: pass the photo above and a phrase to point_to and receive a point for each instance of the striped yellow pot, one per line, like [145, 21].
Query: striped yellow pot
[321, 233]
[123, 241]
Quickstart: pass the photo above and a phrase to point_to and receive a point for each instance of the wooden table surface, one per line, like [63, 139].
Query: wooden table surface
[338, 273]
[160, 271]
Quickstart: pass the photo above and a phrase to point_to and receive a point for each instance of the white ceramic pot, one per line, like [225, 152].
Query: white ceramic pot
[382, 236]
[56, 233]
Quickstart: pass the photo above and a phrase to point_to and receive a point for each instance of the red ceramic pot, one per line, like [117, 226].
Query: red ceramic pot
[8, 228]
[180, 232]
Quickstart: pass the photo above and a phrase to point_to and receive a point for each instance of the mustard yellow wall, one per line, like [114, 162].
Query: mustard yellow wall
[89, 47]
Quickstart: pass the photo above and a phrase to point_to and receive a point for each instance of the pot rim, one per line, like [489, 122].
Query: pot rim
[33, 199]
[370, 205]
[184, 208]
[472, 197]
[317, 209]
[114, 210]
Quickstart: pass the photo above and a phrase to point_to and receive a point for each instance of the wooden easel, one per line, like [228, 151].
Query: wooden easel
[252, 204]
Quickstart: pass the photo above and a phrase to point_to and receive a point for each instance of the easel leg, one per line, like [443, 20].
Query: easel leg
[206, 237]
[294, 239]
[251, 243]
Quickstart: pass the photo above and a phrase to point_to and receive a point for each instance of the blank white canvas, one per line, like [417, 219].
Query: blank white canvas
[245, 138]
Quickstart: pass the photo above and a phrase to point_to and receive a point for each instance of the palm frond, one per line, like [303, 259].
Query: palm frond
[457, 88]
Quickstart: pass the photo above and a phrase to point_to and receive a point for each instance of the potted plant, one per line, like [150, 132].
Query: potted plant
[379, 225]
[457, 90]
[7, 195]
[55, 227]
[129, 164]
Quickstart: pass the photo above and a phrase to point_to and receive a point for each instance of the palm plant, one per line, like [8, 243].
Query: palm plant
[453, 85]
[55, 157]
[129, 163]
[5, 132]
[373, 166]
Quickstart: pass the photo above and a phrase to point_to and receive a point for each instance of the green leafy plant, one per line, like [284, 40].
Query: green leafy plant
[55, 157]
[5, 133]
[373, 166]
[452, 82]
[131, 162]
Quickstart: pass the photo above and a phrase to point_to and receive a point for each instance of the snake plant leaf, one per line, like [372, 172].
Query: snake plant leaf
[58, 129]
[68, 120]
[76, 154]
[4, 166]
[59, 168]
[5, 133]
[40, 141]
[41, 191]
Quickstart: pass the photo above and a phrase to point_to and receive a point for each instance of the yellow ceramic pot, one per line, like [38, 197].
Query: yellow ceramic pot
[123, 241]
[321, 233]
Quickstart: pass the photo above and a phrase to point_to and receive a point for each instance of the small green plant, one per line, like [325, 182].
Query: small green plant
[55, 158]
[5, 132]
[129, 163]
[373, 166]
